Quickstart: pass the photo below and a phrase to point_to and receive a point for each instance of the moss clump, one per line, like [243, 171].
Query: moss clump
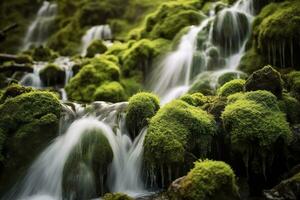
[178, 128]
[139, 56]
[255, 125]
[52, 75]
[266, 78]
[170, 18]
[43, 54]
[215, 105]
[142, 106]
[28, 121]
[202, 84]
[195, 99]
[229, 76]
[293, 83]
[290, 106]
[111, 92]
[116, 196]
[131, 86]
[208, 180]
[96, 47]
[252, 61]
[90, 158]
[14, 90]
[84, 84]
[231, 87]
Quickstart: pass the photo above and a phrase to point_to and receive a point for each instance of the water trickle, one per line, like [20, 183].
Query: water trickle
[218, 43]
[100, 32]
[40, 29]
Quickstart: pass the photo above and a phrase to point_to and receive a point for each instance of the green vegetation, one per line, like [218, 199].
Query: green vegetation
[231, 87]
[96, 47]
[111, 92]
[195, 99]
[208, 180]
[52, 75]
[293, 83]
[142, 106]
[116, 196]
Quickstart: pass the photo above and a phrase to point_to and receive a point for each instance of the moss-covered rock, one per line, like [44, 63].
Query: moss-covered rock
[293, 83]
[42, 53]
[110, 92]
[178, 129]
[208, 180]
[195, 99]
[290, 106]
[202, 84]
[96, 47]
[52, 75]
[142, 106]
[229, 76]
[215, 105]
[14, 90]
[116, 196]
[266, 78]
[231, 87]
[28, 121]
[252, 61]
[132, 85]
[89, 159]
[83, 85]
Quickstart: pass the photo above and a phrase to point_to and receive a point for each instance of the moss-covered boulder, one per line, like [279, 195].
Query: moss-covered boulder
[231, 87]
[110, 92]
[87, 166]
[96, 47]
[52, 75]
[83, 85]
[42, 53]
[293, 83]
[195, 99]
[142, 106]
[290, 106]
[252, 61]
[176, 130]
[258, 133]
[28, 121]
[14, 90]
[116, 196]
[208, 180]
[266, 78]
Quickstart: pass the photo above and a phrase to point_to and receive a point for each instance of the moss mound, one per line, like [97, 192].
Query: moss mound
[290, 106]
[266, 78]
[83, 85]
[293, 83]
[208, 180]
[14, 90]
[142, 106]
[111, 92]
[96, 47]
[42, 53]
[52, 75]
[89, 159]
[195, 99]
[232, 87]
[178, 128]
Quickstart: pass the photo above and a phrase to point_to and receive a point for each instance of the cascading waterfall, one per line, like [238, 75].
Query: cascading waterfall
[216, 45]
[40, 28]
[100, 32]
[44, 179]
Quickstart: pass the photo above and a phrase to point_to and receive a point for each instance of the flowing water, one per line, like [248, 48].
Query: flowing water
[204, 48]
[216, 45]
[39, 30]
[100, 32]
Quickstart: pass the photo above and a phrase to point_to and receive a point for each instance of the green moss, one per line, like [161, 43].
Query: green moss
[290, 106]
[140, 55]
[228, 76]
[293, 83]
[266, 78]
[209, 180]
[83, 85]
[142, 106]
[96, 47]
[202, 84]
[90, 158]
[232, 87]
[178, 128]
[252, 61]
[14, 90]
[255, 124]
[116, 196]
[195, 99]
[52, 75]
[131, 86]
[215, 105]
[43, 54]
[110, 92]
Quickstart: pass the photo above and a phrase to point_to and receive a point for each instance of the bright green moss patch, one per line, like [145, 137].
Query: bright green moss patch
[142, 106]
[178, 128]
[195, 99]
[232, 87]
[96, 47]
[110, 92]
[208, 180]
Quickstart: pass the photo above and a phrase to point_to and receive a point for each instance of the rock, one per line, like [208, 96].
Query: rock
[52, 75]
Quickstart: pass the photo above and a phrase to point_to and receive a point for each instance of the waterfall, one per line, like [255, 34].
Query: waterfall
[216, 45]
[40, 28]
[44, 178]
[100, 32]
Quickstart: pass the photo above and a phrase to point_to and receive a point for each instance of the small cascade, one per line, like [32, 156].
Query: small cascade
[33, 79]
[216, 45]
[100, 32]
[41, 27]
[44, 179]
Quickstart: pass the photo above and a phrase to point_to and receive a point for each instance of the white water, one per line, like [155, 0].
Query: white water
[174, 75]
[100, 32]
[40, 28]
[44, 178]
